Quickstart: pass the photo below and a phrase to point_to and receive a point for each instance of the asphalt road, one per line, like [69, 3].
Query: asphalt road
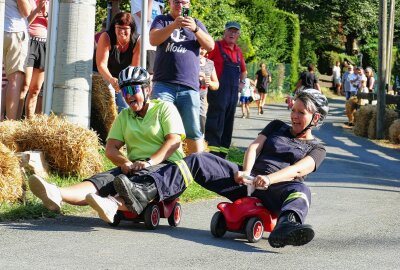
[354, 211]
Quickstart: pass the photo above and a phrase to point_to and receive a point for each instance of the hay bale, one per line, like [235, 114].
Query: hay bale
[12, 184]
[390, 116]
[69, 149]
[394, 132]
[362, 118]
[103, 108]
[186, 150]
[7, 130]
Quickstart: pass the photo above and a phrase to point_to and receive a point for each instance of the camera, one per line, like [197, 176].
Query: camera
[186, 12]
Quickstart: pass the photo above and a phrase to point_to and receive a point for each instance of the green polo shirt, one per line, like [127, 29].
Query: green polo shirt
[144, 136]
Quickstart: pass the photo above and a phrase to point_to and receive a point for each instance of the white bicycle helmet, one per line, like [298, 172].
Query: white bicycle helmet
[133, 76]
[319, 100]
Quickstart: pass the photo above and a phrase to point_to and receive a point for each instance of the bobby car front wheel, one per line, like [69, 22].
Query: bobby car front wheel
[254, 229]
[175, 218]
[152, 216]
[218, 225]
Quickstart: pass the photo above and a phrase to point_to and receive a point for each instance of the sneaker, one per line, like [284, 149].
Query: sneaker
[49, 194]
[290, 232]
[105, 207]
[136, 195]
[243, 116]
[261, 110]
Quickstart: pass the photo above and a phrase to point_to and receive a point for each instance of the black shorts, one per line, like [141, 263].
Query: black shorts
[104, 181]
[37, 53]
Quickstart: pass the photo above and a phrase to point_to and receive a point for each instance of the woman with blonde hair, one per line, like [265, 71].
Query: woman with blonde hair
[262, 81]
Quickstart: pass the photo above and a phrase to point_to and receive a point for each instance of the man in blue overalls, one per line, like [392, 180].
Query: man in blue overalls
[231, 71]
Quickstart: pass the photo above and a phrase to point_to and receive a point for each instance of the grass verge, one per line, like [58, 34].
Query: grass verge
[32, 207]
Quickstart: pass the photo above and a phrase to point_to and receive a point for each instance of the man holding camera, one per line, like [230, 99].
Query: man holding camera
[231, 71]
[178, 38]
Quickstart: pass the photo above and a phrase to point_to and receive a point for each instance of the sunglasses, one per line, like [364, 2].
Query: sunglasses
[130, 90]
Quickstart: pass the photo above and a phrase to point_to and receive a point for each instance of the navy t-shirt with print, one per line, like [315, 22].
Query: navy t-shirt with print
[177, 58]
[281, 149]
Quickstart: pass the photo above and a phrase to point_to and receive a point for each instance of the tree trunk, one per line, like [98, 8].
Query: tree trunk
[73, 61]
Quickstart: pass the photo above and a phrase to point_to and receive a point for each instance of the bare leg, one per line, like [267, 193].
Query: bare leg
[194, 146]
[243, 112]
[34, 90]
[3, 102]
[25, 88]
[262, 99]
[76, 194]
[14, 86]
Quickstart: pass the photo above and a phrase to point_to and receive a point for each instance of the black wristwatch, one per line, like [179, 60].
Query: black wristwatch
[196, 29]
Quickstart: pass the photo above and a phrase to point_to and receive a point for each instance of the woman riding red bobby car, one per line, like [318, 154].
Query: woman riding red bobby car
[279, 158]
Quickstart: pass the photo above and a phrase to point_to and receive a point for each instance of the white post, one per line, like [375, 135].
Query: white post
[145, 34]
[2, 7]
[74, 61]
[50, 55]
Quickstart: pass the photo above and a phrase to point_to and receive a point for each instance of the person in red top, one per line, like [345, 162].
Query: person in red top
[231, 71]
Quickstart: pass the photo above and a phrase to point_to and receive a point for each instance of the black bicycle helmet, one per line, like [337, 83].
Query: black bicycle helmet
[319, 100]
[133, 76]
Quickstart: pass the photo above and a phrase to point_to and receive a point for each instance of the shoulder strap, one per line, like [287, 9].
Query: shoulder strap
[224, 55]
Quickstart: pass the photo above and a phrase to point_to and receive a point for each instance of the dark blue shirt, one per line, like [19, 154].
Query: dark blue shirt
[177, 58]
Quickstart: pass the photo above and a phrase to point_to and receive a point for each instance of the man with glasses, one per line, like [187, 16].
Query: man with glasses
[178, 38]
[151, 130]
[231, 71]
[346, 81]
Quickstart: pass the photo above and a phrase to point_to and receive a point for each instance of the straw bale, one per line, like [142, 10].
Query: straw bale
[12, 184]
[390, 116]
[103, 108]
[362, 118]
[69, 149]
[7, 130]
[186, 150]
[394, 132]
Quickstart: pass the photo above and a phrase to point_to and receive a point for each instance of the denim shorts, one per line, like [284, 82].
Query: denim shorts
[186, 100]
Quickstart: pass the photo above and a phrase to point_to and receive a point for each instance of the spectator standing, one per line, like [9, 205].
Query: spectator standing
[355, 82]
[208, 80]
[176, 68]
[35, 64]
[346, 82]
[151, 130]
[370, 79]
[15, 50]
[336, 75]
[308, 79]
[246, 98]
[98, 34]
[155, 8]
[262, 81]
[231, 71]
[118, 48]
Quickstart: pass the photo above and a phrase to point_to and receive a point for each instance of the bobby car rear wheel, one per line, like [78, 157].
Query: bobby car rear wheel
[175, 218]
[218, 225]
[254, 229]
[151, 216]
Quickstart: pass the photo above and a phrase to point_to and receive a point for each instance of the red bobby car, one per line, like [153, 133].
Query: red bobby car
[246, 215]
[151, 215]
